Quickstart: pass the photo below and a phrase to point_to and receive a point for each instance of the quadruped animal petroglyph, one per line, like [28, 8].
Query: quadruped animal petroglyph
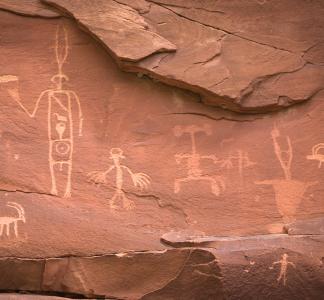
[7, 221]
[140, 180]
[59, 115]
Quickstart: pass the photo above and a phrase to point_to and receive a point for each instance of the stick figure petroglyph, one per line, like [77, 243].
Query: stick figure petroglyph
[288, 192]
[316, 155]
[193, 161]
[242, 160]
[60, 115]
[140, 180]
[283, 268]
[5, 222]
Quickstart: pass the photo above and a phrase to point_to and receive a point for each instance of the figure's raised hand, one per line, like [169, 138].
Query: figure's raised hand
[141, 180]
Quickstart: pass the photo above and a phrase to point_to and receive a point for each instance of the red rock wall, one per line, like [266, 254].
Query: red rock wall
[129, 128]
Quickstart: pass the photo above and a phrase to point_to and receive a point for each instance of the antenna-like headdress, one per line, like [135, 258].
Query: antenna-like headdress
[61, 46]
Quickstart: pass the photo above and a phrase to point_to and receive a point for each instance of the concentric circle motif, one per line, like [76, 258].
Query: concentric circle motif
[62, 148]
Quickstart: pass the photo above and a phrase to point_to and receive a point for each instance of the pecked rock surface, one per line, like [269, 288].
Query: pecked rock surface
[98, 164]
[248, 56]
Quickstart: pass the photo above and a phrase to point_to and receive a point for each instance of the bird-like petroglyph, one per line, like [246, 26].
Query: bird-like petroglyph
[288, 192]
[6, 222]
[140, 180]
[59, 115]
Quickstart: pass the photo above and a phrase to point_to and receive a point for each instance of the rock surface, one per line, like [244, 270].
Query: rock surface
[119, 186]
[125, 33]
[32, 8]
[222, 54]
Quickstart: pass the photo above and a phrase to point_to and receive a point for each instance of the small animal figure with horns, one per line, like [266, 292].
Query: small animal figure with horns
[5, 221]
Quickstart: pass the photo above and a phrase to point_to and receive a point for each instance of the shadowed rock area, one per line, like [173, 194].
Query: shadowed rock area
[161, 149]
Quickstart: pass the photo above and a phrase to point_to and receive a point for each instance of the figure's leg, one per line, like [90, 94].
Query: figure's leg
[113, 199]
[217, 184]
[16, 228]
[7, 229]
[1, 229]
[68, 183]
[127, 203]
[53, 179]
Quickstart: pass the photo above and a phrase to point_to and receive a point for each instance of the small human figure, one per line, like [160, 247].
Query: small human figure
[140, 180]
[193, 161]
[284, 267]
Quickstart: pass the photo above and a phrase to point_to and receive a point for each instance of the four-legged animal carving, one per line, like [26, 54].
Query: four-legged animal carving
[5, 222]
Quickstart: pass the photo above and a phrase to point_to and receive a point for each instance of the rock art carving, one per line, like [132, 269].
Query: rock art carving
[6, 221]
[195, 172]
[140, 180]
[60, 119]
[288, 192]
[284, 263]
[242, 159]
[316, 155]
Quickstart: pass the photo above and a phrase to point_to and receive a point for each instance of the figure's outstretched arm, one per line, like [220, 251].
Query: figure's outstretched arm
[128, 170]
[276, 262]
[140, 180]
[110, 169]
[76, 97]
[16, 97]
[285, 163]
[99, 176]
[292, 264]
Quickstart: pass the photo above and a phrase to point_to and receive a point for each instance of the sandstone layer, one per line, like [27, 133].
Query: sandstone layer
[117, 186]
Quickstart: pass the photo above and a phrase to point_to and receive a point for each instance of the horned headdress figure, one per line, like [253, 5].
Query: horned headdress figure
[5, 221]
[289, 192]
[61, 104]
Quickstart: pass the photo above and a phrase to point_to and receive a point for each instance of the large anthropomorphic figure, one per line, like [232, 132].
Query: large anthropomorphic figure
[60, 117]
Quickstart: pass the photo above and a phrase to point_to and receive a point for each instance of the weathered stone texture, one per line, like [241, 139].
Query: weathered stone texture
[119, 186]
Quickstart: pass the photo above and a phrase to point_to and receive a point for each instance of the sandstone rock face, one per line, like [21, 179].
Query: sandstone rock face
[117, 186]
[245, 56]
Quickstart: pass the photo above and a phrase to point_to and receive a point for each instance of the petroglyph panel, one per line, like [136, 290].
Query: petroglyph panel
[149, 158]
